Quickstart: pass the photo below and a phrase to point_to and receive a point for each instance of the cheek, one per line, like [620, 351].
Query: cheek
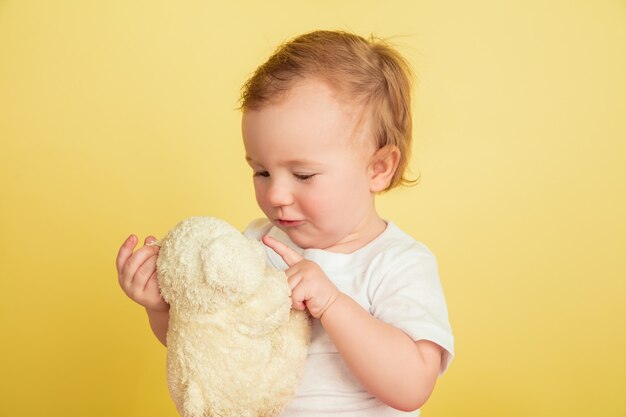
[351, 194]
[259, 193]
[310, 200]
[323, 201]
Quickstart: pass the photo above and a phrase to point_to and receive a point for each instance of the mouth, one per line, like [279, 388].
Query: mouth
[289, 223]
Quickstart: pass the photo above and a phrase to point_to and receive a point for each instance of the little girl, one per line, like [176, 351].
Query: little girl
[326, 127]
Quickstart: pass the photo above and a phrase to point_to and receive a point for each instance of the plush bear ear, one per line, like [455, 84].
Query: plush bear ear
[233, 264]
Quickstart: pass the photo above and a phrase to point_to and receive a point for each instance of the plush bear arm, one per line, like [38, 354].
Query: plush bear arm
[268, 308]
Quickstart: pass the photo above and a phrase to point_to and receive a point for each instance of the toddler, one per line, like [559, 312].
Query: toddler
[326, 126]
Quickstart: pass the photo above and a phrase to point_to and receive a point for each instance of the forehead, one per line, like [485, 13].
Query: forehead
[308, 117]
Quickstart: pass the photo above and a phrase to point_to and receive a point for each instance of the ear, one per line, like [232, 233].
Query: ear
[383, 165]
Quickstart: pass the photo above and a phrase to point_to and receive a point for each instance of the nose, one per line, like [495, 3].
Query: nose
[279, 195]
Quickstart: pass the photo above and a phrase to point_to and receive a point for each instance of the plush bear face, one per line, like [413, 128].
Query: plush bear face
[206, 263]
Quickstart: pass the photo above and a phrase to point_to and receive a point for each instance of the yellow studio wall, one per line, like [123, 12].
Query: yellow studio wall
[118, 117]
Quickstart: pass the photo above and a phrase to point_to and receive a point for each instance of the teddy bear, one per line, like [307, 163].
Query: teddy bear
[234, 345]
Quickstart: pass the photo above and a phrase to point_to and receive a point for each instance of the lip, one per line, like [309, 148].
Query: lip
[289, 223]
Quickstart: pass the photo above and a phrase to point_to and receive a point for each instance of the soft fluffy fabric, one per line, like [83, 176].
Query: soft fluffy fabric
[234, 346]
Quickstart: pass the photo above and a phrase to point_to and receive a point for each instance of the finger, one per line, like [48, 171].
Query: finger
[292, 270]
[125, 251]
[290, 256]
[300, 306]
[135, 261]
[154, 298]
[144, 272]
[298, 298]
[149, 239]
[152, 285]
[294, 280]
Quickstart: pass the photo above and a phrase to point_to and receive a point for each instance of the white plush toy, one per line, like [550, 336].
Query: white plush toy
[234, 346]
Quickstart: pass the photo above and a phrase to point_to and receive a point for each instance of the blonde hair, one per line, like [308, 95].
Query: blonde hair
[369, 71]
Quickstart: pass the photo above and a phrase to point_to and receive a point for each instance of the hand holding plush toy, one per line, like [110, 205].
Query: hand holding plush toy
[235, 347]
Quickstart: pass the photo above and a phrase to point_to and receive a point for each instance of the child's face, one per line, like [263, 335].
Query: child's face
[310, 167]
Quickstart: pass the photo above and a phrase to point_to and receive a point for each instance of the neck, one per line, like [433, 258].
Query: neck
[368, 229]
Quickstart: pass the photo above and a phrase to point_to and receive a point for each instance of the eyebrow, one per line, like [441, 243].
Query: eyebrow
[294, 162]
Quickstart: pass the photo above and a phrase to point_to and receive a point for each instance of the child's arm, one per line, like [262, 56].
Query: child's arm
[137, 276]
[159, 321]
[398, 371]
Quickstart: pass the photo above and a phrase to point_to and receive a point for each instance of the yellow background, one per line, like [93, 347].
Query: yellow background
[118, 117]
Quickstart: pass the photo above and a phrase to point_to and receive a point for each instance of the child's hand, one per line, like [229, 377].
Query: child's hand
[137, 274]
[310, 287]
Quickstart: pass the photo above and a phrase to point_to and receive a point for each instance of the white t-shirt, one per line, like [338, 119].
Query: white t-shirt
[395, 278]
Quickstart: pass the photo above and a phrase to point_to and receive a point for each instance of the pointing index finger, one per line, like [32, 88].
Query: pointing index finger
[290, 256]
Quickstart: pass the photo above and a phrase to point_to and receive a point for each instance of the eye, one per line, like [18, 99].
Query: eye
[303, 177]
[261, 174]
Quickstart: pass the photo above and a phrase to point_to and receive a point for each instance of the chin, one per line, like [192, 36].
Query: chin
[310, 243]
[301, 238]
[301, 241]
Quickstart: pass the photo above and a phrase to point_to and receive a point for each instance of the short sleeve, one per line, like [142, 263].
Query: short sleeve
[410, 297]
